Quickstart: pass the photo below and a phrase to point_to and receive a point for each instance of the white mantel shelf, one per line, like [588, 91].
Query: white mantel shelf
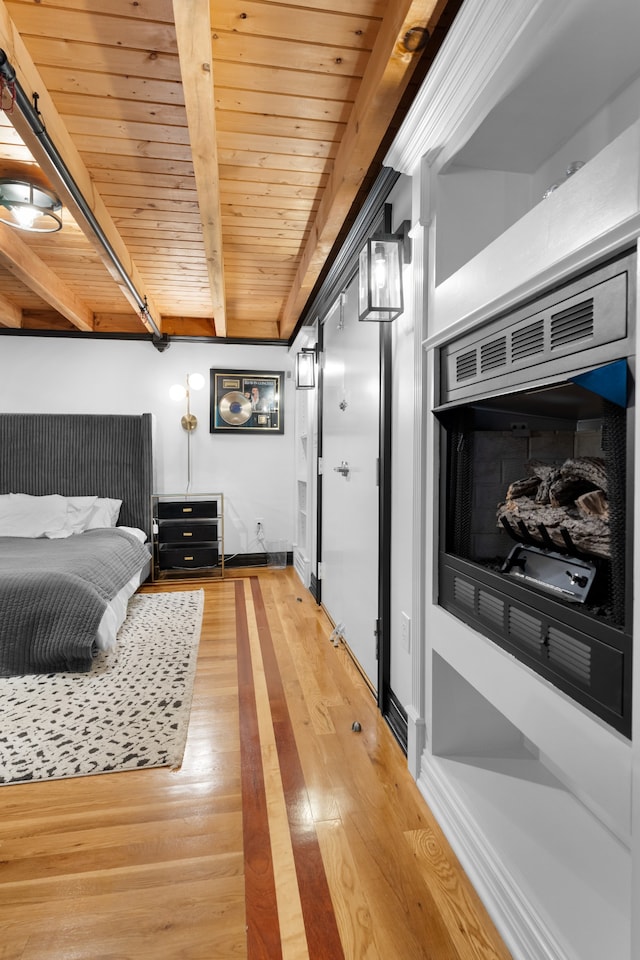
[594, 214]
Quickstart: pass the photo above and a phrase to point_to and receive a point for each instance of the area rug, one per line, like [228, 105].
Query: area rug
[131, 711]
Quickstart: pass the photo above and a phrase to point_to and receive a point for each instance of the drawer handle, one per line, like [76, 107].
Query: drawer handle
[185, 534]
[187, 558]
[187, 509]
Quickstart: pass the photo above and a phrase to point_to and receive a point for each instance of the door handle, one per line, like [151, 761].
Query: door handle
[344, 469]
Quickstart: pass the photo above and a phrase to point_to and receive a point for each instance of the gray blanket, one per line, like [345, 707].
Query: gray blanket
[53, 594]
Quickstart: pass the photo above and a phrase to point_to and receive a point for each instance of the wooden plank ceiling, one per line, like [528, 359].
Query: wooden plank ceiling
[220, 146]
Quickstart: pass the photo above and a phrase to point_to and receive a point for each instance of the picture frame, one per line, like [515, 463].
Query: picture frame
[247, 401]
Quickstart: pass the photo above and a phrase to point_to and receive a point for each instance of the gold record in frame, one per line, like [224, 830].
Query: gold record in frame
[234, 408]
[247, 401]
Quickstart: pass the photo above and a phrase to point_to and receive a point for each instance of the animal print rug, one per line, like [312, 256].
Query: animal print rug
[129, 712]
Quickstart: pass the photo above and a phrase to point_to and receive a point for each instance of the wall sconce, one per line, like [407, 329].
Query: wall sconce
[306, 368]
[27, 203]
[195, 381]
[380, 295]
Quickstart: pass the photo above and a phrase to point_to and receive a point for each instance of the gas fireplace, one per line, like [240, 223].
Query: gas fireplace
[536, 487]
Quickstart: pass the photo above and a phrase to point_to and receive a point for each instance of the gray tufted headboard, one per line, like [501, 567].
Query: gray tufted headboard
[80, 455]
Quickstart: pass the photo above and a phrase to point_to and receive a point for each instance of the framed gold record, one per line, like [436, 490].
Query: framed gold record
[247, 401]
[235, 408]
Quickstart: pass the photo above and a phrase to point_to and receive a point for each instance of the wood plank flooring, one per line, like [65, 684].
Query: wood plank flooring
[284, 834]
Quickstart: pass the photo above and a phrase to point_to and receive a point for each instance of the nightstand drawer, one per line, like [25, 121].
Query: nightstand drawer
[187, 509]
[187, 532]
[175, 558]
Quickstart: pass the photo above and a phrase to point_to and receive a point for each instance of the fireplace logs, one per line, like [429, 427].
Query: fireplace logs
[569, 503]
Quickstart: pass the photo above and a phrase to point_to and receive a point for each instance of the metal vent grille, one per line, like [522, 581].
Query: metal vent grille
[491, 608]
[573, 324]
[528, 341]
[562, 329]
[493, 354]
[591, 669]
[464, 593]
[466, 366]
[569, 655]
[525, 629]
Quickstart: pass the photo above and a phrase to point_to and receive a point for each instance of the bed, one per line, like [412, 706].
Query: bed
[75, 529]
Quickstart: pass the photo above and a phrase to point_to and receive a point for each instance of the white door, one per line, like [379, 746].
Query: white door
[350, 449]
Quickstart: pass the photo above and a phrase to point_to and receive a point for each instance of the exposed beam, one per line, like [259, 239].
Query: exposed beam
[10, 315]
[30, 270]
[193, 32]
[383, 84]
[31, 82]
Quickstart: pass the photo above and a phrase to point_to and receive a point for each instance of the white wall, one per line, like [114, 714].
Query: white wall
[84, 375]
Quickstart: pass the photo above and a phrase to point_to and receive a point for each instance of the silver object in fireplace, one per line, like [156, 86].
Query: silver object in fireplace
[552, 572]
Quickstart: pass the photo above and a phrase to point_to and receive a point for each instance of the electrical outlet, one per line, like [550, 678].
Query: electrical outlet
[405, 632]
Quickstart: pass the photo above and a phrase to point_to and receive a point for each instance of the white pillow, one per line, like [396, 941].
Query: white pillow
[136, 532]
[79, 511]
[105, 513]
[22, 515]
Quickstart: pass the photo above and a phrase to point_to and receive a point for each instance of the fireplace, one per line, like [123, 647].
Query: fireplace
[536, 419]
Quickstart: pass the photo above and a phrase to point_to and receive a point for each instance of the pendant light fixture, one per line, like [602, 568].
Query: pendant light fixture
[27, 201]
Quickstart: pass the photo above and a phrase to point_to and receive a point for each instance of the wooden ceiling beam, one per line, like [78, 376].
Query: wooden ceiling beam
[193, 32]
[384, 82]
[10, 315]
[16, 256]
[31, 82]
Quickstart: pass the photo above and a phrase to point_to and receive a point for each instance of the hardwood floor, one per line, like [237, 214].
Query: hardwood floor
[284, 834]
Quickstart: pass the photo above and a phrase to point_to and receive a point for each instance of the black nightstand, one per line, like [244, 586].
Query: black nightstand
[188, 536]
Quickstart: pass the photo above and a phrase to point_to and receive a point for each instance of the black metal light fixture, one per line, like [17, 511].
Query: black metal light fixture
[27, 205]
[306, 368]
[380, 295]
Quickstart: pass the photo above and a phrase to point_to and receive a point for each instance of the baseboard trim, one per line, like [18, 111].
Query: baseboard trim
[252, 560]
[396, 717]
[521, 928]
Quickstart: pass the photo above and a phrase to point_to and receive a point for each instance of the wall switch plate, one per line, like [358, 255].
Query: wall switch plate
[405, 632]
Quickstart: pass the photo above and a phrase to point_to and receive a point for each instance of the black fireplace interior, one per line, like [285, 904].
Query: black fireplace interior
[537, 514]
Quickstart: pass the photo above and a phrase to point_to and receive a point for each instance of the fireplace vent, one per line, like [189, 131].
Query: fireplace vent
[572, 325]
[570, 655]
[493, 355]
[525, 629]
[464, 593]
[528, 341]
[490, 608]
[580, 325]
[466, 366]
[584, 660]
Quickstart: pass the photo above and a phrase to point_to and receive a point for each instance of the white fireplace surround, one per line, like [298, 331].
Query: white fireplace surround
[540, 800]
